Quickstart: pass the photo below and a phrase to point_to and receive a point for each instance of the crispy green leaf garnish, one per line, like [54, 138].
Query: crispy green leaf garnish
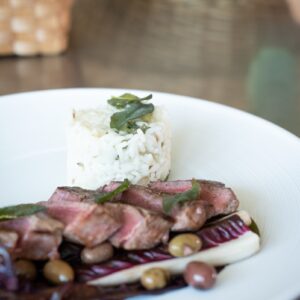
[124, 120]
[125, 99]
[108, 196]
[144, 128]
[147, 118]
[167, 177]
[16, 211]
[253, 227]
[192, 194]
[133, 110]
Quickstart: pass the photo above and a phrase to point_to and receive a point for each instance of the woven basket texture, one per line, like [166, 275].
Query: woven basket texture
[32, 27]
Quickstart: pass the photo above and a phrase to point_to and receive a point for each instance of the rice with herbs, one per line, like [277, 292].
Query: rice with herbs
[97, 154]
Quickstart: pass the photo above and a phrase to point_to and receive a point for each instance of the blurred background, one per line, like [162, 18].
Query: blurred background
[242, 53]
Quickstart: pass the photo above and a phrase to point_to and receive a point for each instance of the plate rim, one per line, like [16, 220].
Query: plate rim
[282, 132]
[189, 98]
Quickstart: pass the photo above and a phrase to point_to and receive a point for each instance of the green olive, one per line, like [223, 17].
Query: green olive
[184, 245]
[25, 268]
[58, 271]
[155, 278]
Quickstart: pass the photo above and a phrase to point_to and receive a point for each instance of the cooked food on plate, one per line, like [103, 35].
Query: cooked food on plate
[127, 138]
[120, 230]
[141, 237]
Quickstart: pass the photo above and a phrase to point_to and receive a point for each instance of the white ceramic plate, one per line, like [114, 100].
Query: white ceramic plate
[259, 160]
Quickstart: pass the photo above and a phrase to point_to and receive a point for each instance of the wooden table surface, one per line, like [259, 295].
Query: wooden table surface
[244, 54]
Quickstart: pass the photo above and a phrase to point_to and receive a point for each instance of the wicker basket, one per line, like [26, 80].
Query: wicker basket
[31, 27]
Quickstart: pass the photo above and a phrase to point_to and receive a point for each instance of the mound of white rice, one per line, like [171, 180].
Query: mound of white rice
[97, 154]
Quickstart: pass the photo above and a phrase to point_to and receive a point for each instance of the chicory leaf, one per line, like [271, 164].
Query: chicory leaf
[21, 210]
[192, 194]
[108, 196]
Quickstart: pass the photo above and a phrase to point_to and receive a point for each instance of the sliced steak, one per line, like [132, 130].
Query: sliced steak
[136, 232]
[8, 239]
[77, 194]
[189, 216]
[141, 229]
[85, 223]
[38, 236]
[180, 186]
[222, 199]
[142, 197]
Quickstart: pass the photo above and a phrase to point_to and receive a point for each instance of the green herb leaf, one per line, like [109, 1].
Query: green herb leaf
[253, 227]
[16, 211]
[123, 120]
[144, 128]
[192, 194]
[108, 196]
[125, 99]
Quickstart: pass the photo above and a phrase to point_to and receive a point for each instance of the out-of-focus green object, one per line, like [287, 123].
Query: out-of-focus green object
[272, 86]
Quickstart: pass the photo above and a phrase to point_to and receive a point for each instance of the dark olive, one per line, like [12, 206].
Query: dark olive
[25, 268]
[155, 278]
[200, 275]
[58, 271]
[184, 244]
[97, 254]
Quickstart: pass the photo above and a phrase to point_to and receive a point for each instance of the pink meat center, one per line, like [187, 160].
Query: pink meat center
[131, 222]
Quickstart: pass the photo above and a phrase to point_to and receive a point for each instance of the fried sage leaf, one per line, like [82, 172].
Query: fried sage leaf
[21, 210]
[125, 99]
[253, 226]
[110, 195]
[192, 194]
[124, 120]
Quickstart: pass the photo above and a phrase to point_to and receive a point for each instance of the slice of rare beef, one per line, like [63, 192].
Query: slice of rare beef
[189, 216]
[85, 223]
[141, 229]
[8, 239]
[222, 199]
[77, 194]
[143, 234]
[36, 237]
